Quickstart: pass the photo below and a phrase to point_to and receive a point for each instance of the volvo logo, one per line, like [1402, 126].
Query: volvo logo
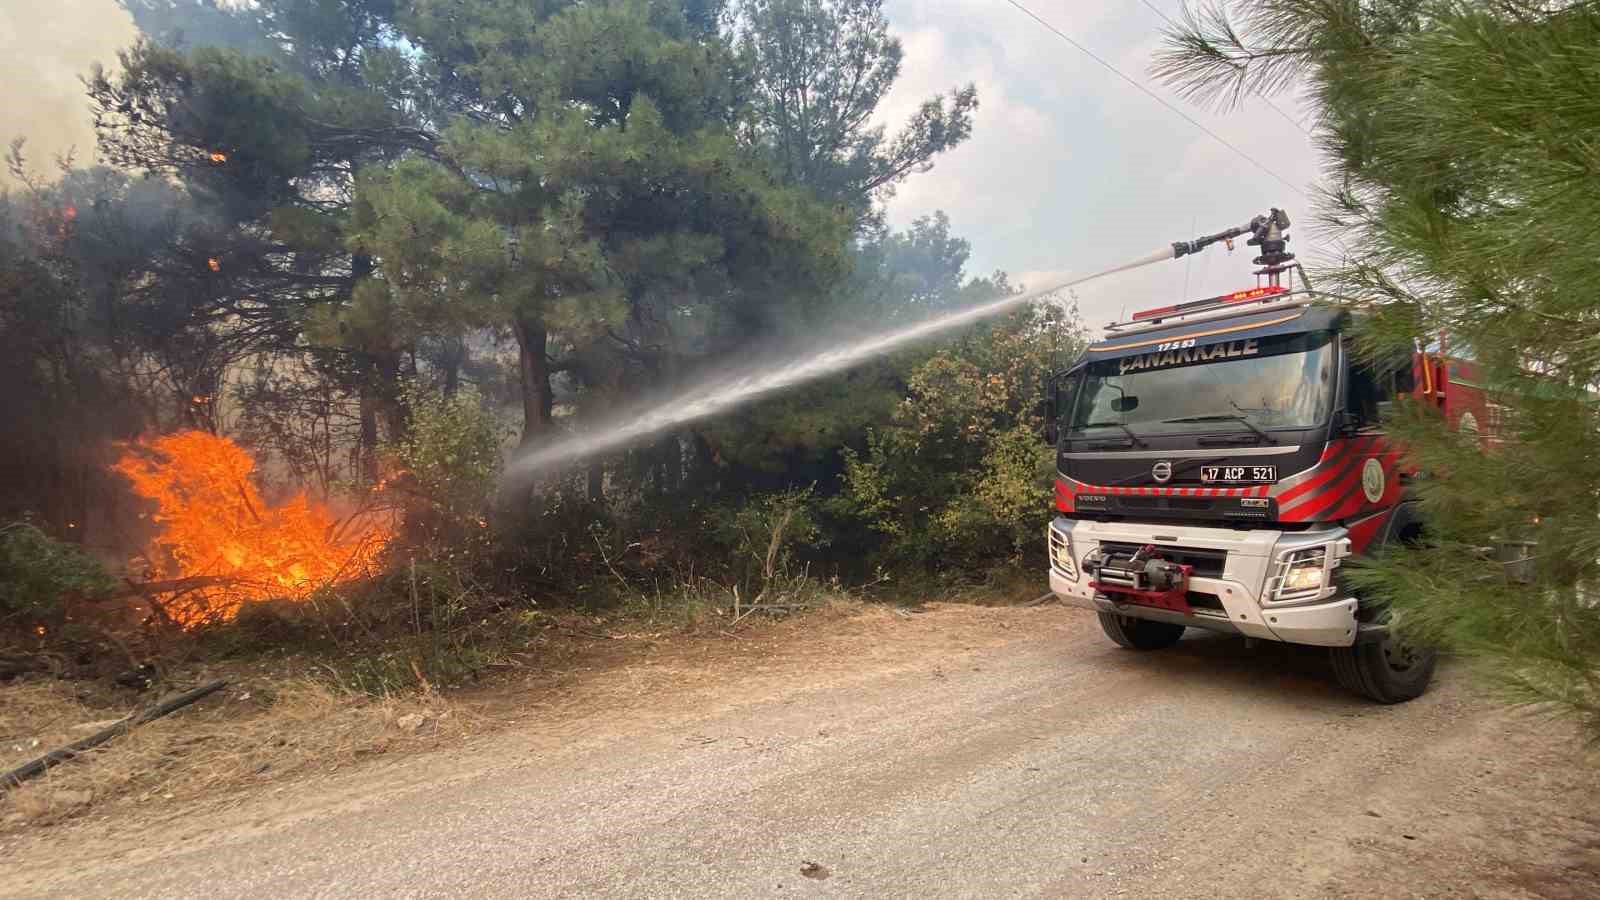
[1161, 472]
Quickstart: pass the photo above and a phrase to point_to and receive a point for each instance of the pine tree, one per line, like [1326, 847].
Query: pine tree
[1464, 143]
[264, 113]
[591, 196]
[818, 71]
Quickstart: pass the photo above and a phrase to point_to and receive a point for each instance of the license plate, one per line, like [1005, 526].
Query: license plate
[1238, 474]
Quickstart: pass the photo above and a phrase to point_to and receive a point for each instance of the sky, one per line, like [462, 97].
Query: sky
[1069, 169]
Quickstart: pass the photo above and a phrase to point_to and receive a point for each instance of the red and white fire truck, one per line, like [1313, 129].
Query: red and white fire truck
[1218, 461]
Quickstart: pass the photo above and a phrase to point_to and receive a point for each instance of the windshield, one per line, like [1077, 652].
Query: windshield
[1279, 382]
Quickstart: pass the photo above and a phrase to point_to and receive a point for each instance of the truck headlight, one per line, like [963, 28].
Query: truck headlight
[1301, 574]
[1061, 553]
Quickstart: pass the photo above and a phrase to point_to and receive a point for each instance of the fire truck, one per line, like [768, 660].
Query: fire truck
[1219, 461]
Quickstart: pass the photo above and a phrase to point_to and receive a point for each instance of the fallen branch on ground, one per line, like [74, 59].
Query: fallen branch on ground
[17, 776]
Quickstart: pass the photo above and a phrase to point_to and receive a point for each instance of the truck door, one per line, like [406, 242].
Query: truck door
[1371, 387]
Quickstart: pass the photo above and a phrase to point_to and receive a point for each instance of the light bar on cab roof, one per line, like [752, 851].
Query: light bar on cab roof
[1235, 297]
[1254, 294]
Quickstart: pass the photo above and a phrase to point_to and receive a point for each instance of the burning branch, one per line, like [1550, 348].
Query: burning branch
[228, 546]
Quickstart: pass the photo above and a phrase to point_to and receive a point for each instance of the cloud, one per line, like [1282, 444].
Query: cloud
[1070, 168]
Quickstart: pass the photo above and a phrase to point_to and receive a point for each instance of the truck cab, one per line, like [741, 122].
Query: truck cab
[1217, 462]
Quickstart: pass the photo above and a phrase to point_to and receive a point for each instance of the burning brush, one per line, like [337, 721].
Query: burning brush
[221, 545]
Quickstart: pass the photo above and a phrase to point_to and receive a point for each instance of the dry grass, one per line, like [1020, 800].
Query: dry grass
[273, 728]
[1010, 584]
[273, 724]
[236, 738]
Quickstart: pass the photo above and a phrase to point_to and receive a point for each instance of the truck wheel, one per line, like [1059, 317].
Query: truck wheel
[1388, 671]
[1140, 634]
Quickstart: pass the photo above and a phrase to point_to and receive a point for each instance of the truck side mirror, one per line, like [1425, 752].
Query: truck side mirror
[1405, 380]
[1046, 410]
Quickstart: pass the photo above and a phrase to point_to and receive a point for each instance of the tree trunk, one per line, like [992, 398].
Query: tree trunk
[368, 451]
[455, 356]
[704, 471]
[538, 399]
[371, 401]
[667, 464]
[394, 413]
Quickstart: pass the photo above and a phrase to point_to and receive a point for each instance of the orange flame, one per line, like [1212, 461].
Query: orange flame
[217, 531]
[217, 156]
[214, 264]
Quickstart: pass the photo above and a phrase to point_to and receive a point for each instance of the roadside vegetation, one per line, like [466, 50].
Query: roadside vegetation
[265, 366]
[1463, 139]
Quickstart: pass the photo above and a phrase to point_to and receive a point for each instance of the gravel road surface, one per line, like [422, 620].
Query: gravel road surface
[961, 752]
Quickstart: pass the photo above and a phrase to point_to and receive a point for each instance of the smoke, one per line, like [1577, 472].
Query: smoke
[44, 50]
[754, 380]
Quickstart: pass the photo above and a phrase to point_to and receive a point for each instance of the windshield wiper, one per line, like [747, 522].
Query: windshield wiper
[1223, 417]
[1131, 436]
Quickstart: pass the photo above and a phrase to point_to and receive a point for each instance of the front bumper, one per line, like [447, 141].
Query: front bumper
[1238, 595]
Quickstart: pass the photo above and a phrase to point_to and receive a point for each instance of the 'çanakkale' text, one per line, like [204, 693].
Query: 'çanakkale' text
[1159, 360]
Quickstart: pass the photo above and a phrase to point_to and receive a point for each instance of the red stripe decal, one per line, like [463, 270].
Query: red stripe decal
[1348, 479]
[1327, 472]
[1362, 532]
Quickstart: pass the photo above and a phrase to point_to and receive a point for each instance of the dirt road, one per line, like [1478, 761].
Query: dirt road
[961, 752]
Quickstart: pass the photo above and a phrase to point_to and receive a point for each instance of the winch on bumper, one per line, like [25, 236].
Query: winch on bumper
[1273, 585]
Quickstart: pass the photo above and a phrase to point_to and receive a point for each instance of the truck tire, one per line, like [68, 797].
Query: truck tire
[1140, 634]
[1388, 671]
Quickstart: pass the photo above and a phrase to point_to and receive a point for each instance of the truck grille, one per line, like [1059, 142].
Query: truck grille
[1199, 504]
[1207, 563]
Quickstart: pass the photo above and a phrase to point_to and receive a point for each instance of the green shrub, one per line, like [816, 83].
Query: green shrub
[958, 479]
[762, 534]
[38, 571]
[449, 459]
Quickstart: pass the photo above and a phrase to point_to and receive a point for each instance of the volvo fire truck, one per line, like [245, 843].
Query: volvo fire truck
[1219, 461]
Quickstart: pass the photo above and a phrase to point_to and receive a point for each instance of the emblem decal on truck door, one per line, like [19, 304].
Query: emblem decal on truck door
[1372, 480]
[1161, 472]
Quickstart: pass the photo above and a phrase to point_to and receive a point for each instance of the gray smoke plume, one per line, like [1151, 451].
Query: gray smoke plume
[45, 48]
